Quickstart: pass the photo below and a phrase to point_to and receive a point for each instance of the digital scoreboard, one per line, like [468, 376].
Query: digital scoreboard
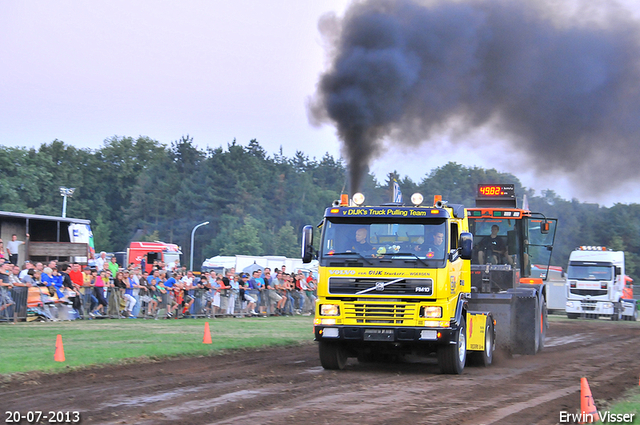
[496, 191]
[496, 195]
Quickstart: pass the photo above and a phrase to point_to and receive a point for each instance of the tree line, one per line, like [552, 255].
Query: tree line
[256, 202]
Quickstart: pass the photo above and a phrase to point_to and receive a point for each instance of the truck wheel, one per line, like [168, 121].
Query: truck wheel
[544, 324]
[528, 326]
[617, 313]
[484, 358]
[332, 356]
[452, 357]
[573, 315]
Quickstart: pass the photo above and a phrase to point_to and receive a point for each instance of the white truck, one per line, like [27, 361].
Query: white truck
[240, 262]
[595, 285]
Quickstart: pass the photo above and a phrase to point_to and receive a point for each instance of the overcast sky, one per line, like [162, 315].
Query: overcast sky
[84, 71]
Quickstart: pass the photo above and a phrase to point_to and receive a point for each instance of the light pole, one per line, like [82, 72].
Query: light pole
[66, 192]
[193, 232]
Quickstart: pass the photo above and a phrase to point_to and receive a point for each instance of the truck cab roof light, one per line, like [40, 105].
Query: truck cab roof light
[417, 199]
[358, 199]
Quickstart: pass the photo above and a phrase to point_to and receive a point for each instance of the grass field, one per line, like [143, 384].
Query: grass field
[31, 346]
[630, 404]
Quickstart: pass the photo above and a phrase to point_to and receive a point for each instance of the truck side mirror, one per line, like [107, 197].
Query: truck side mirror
[618, 270]
[544, 227]
[307, 244]
[466, 245]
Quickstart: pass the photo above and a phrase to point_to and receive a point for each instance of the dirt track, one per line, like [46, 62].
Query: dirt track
[288, 385]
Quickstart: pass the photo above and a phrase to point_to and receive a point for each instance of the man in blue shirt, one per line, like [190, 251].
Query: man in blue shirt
[170, 282]
[256, 285]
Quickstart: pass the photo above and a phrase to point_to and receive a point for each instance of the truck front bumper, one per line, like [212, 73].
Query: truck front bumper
[357, 335]
[589, 307]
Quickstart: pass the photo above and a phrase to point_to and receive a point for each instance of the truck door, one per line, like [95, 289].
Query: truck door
[538, 247]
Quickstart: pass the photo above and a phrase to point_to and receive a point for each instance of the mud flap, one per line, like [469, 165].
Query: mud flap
[481, 338]
[502, 307]
[476, 325]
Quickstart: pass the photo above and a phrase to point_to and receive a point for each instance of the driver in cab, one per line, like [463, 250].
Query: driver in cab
[361, 245]
[492, 249]
[435, 248]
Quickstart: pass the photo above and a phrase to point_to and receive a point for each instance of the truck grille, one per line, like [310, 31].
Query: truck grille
[588, 305]
[380, 286]
[592, 292]
[370, 313]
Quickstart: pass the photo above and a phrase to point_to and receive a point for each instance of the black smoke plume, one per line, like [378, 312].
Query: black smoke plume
[562, 86]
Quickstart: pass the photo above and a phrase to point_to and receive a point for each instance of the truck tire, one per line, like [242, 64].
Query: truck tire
[332, 355]
[617, 312]
[544, 324]
[484, 358]
[452, 357]
[573, 315]
[528, 325]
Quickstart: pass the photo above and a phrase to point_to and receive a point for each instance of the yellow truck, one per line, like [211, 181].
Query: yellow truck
[396, 279]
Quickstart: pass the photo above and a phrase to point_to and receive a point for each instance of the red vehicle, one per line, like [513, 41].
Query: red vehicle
[168, 253]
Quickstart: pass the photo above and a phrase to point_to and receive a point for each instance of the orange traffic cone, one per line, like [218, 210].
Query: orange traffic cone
[59, 354]
[587, 406]
[207, 334]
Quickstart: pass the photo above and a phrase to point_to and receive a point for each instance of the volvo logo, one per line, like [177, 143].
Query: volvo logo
[379, 286]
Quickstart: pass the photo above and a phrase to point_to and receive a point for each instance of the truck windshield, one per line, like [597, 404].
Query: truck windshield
[384, 242]
[589, 272]
[171, 257]
[495, 241]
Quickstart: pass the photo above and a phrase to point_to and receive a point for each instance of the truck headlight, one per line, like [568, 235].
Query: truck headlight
[569, 304]
[329, 310]
[432, 312]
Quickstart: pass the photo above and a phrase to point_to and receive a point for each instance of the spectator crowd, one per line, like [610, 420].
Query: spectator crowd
[105, 289]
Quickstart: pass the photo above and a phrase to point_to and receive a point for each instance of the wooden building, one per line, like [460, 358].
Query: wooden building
[51, 238]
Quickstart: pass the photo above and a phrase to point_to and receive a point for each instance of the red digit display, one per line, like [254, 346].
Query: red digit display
[495, 190]
[491, 190]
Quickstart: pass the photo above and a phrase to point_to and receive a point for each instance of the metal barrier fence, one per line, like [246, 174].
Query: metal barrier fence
[20, 306]
[150, 305]
[13, 303]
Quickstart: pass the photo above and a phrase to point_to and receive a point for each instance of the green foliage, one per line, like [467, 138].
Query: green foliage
[155, 236]
[101, 234]
[458, 184]
[286, 242]
[255, 203]
[244, 240]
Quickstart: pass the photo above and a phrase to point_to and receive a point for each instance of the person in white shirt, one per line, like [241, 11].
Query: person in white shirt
[100, 261]
[12, 248]
[27, 266]
[135, 278]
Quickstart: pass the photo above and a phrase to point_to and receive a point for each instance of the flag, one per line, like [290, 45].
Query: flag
[397, 194]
